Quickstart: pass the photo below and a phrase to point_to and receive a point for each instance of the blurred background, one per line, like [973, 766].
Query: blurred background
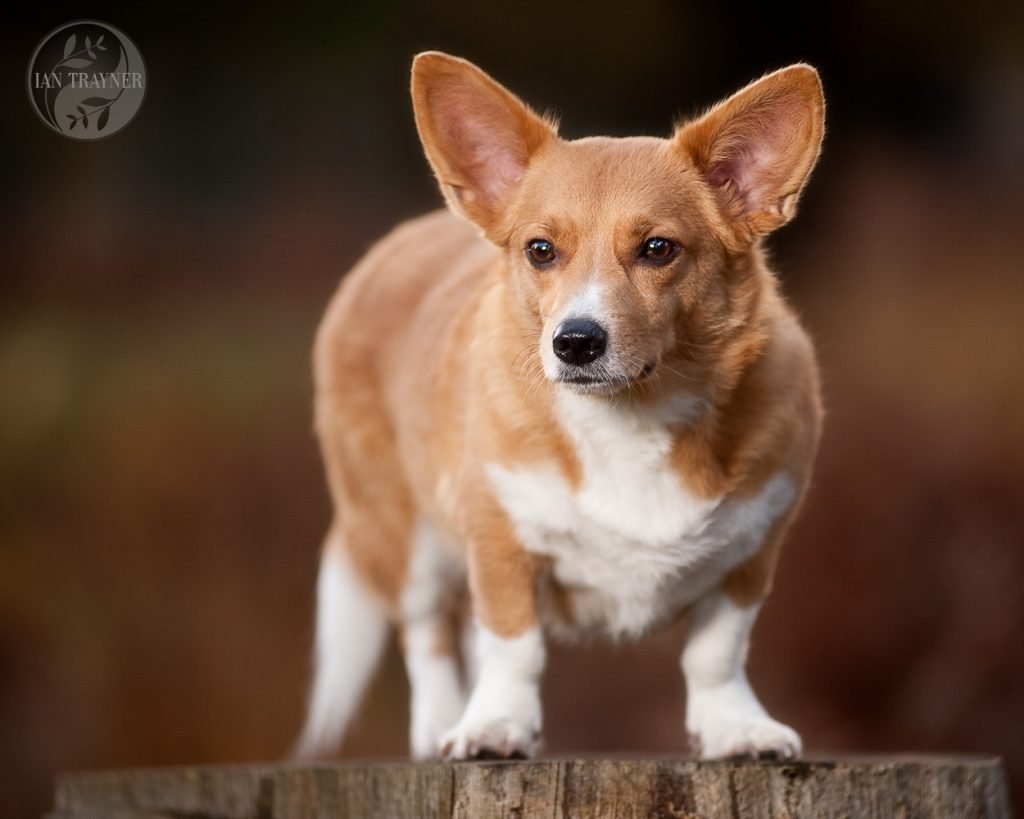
[161, 497]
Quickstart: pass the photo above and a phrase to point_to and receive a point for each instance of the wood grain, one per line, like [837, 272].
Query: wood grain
[960, 787]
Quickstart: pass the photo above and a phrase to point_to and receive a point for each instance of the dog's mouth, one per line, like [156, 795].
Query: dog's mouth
[582, 382]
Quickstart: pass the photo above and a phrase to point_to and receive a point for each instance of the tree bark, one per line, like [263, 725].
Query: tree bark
[960, 787]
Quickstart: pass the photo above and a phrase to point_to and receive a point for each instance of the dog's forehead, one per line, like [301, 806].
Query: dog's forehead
[598, 177]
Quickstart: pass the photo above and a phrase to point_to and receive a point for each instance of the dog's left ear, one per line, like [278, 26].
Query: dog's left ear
[757, 148]
[478, 136]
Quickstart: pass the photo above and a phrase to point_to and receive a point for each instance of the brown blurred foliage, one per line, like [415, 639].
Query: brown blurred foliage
[161, 500]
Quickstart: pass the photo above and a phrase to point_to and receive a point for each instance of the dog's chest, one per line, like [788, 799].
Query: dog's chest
[630, 545]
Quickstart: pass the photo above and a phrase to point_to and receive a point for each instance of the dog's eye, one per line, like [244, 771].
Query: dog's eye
[658, 250]
[540, 252]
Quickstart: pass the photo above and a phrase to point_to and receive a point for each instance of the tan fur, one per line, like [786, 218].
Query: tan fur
[427, 364]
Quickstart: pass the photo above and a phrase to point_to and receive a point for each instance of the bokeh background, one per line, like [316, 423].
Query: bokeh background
[161, 498]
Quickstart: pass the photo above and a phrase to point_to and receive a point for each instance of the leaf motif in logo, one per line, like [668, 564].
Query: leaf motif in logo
[55, 95]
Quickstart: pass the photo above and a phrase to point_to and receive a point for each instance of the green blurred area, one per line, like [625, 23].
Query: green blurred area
[161, 499]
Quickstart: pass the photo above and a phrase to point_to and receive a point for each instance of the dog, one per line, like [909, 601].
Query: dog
[574, 401]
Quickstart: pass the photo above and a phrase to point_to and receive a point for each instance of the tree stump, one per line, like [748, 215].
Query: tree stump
[960, 787]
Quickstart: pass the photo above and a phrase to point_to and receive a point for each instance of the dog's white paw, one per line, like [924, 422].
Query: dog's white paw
[743, 735]
[428, 728]
[502, 722]
[497, 739]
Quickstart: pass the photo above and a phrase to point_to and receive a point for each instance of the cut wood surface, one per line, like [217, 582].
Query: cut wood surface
[903, 787]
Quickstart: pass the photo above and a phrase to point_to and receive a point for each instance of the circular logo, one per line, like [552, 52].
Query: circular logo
[86, 80]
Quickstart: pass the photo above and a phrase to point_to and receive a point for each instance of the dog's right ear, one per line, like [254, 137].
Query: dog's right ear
[478, 136]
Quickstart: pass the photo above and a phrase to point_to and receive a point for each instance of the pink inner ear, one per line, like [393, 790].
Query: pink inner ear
[750, 173]
[481, 142]
[758, 152]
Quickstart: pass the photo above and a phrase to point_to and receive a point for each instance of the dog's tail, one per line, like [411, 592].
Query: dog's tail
[351, 628]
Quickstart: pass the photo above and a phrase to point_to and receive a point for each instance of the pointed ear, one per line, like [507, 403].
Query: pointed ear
[757, 148]
[478, 137]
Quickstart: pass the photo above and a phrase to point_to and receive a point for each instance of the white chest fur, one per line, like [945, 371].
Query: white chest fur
[631, 545]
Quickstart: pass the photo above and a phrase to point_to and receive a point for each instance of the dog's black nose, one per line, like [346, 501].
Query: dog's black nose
[580, 341]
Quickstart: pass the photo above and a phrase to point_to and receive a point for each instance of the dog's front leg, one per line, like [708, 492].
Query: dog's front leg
[723, 716]
[503, 716]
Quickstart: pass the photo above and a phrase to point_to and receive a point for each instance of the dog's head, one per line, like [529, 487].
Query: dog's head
[627, 256]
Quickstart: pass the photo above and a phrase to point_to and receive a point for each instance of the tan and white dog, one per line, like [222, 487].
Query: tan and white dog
[578, 394]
